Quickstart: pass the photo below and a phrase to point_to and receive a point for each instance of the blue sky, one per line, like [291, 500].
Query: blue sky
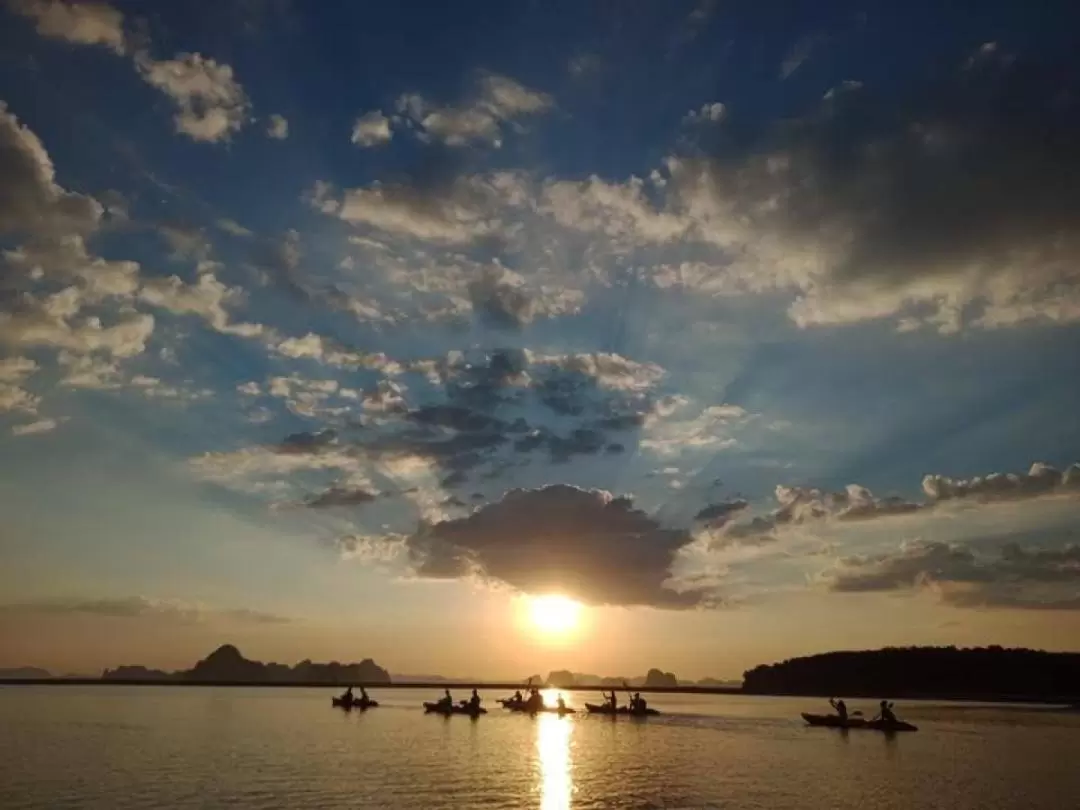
[339, 332]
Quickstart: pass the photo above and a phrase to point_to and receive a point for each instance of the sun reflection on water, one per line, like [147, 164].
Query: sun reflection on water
[553, 745]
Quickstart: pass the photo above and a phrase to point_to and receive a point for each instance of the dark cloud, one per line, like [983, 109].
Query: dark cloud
[503, 404]
[456, 418]
[587, 544]
[1018, 577]
[721, 513]
[501, 303]
[341, 496]
[307, 442]
[798, 506]
[909, 567]
[956, 202]
[803, 505]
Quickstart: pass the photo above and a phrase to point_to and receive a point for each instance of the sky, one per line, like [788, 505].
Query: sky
[338, 331]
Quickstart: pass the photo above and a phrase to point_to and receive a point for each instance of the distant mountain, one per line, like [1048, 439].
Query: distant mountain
[713, 683]
[923, 671]
[137, 673]
[227, 664]
[654, 679]
[400, 678]
[24, 673]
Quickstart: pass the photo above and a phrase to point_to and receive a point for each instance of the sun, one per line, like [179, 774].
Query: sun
[555, 615]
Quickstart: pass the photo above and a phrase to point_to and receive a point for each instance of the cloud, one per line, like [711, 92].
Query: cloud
[621, 211]
[1040, 480]
[498, 100]
[324, 350]
[211, 103]
[49, 322]
[340, 496]
[720, 513]
[65, 259]
[233, 228]
[802, 504]
[88, 371]
[371, 129]
[799, 53]
[954, 207]
[40, 426]
[13, 371]
[587, 544]
[464, 210]
[134, 607]
[84, 23]
[1018, 578]
[807, 506]
[277, 127]
[708, 113]
[670, 432]
[500, 297]
[237, 467]
[441, 423]
[31, 202]
[207, 299]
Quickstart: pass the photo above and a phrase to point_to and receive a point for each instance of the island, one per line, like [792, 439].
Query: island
[982, 673]
[227, 665]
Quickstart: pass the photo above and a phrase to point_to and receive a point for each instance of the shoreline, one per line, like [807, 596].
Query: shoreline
[1064, 701]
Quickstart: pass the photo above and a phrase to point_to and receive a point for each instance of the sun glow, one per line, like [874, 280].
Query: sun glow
[555, 615]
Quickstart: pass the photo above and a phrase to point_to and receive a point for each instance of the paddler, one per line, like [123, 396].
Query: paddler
[840, 707]
[886, 713]
[474, 701]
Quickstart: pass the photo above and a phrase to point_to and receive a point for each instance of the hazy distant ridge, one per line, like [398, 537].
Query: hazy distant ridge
[226, 664]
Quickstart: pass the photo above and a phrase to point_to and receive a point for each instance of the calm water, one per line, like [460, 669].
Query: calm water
[120, 747]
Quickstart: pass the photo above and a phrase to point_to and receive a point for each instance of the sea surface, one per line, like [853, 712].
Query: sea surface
[193, 747]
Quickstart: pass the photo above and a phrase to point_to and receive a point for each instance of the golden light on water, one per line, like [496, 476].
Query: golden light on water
[554, 615]
[553, 735]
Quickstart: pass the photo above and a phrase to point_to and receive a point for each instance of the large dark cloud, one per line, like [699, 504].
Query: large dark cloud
[957, 200]
[340, 496]
[587, 544]
[506, 406]
[1017, 577]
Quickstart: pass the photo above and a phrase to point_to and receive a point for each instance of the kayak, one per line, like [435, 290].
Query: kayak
[521, 708]
[438, 708]
[361, 705]
[603, 708]
[833, 721]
